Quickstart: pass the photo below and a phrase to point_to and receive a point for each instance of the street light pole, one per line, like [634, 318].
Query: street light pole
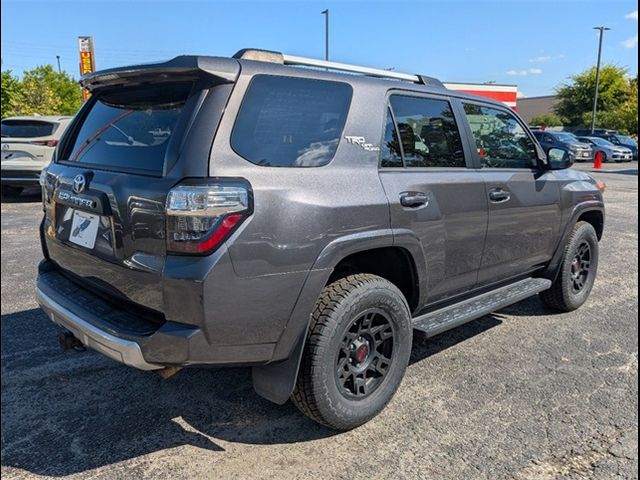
[325, 12]
[595, 95]
[58, 59]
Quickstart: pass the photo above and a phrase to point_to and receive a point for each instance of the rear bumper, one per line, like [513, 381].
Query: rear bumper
[121, 350]
[133, 335]
[20, 178]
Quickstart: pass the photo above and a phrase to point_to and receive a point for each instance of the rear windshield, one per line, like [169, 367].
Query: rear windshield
[130, 128]
[291, 122]
[27, 128]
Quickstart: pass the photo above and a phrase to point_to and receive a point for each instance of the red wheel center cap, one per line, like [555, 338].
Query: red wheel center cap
[361, 353]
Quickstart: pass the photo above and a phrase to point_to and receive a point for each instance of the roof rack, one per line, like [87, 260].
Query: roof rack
[284, 59]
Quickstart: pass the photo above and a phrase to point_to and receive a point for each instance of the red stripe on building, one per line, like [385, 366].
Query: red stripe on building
[499, 96]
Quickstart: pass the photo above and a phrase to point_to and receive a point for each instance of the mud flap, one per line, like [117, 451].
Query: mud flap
[276, 381]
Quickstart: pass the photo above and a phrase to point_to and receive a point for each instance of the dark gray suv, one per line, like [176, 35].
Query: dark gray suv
[578, 150]
[302, 221]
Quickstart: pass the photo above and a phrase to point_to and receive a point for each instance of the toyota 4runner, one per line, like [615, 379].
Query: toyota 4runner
[272, 211]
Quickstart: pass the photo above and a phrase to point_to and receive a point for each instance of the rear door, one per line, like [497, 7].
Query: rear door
[105, 194]
[524, 201]
[432, 191]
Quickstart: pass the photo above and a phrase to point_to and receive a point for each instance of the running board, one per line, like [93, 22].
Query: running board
[441, 320]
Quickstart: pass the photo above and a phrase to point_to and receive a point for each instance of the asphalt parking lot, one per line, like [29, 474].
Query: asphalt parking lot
[522, 394]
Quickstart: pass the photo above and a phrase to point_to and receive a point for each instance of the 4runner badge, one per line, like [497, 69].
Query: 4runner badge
[361, 142]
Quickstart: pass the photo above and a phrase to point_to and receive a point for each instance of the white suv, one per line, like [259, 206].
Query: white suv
[28, 144]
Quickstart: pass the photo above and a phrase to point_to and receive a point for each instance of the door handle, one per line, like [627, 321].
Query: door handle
[498, 195]
[414, 199]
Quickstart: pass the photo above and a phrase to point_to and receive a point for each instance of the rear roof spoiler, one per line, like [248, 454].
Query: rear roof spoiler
[223, 69]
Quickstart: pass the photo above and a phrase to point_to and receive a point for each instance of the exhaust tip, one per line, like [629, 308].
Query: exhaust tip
[168, 372]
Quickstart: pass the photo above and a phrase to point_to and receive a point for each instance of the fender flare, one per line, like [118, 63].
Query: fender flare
[276, 380]
[553, 268]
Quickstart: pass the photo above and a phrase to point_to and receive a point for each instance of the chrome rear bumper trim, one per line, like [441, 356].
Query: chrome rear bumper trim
[121, 350]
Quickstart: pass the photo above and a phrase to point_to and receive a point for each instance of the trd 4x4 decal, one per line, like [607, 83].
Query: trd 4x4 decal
[360, 141]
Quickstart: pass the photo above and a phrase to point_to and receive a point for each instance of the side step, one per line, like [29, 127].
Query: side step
[441, 320]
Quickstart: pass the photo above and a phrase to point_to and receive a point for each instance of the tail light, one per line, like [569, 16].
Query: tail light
[46, 143]
[201, 217]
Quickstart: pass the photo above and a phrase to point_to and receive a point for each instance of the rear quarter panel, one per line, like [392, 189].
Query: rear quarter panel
[298, 212]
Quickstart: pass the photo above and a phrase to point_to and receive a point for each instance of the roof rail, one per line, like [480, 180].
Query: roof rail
[284, 59]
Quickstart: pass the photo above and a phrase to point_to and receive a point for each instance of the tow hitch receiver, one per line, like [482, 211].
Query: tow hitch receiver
[68, 342]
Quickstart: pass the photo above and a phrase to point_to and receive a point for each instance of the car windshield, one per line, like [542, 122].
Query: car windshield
[623, 139]
[26, 128]
[602, 142]
[130, 127]
[566, 137]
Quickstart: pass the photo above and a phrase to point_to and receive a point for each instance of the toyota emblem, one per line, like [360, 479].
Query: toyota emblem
[79, 183]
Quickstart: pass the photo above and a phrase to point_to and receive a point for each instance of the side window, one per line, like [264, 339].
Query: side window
[428, 132]
[500, 139]
[291, 122]
[391, 155]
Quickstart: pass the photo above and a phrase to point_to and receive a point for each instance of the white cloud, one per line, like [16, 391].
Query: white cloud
[520, 94]
[540, 59]
[524, 73]
[632, 16]
[546, 58]
[630, 42]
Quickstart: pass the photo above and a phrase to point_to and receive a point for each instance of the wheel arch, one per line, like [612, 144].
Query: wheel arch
[591, 212]
[275, 381]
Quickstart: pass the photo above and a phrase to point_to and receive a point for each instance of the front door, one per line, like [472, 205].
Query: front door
[433, 190]
[524, 207]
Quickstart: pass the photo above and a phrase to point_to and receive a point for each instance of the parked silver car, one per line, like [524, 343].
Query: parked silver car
[28, 144]
[610, 152]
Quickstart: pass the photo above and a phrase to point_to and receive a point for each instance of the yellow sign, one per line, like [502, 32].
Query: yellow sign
[87, 60]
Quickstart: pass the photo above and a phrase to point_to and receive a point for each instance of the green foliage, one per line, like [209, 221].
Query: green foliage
[617, 99]
[547, 120]
[11, 93]
[41, 91]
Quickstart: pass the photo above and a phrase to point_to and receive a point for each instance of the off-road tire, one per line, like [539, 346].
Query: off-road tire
[317, 392]
[562, 296]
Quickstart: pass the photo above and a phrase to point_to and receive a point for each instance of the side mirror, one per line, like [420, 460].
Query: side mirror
[558, 159]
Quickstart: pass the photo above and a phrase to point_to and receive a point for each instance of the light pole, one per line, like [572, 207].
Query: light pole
[595, 95]
[325, 12]
[58, 59]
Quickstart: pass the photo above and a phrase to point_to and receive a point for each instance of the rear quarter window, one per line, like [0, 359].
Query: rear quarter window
[129, 128]
[27, 128]
[291, 122]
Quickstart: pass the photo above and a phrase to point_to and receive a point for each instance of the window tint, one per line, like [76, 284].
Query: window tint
[500, 139]
[428, 132]
[26, 128]
[391, 155]
[291, 122]
[130, 128]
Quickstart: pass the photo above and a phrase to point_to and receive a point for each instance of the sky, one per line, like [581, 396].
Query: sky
[535, 44]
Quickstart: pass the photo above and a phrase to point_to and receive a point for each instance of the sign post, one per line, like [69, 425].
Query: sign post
[87, 60]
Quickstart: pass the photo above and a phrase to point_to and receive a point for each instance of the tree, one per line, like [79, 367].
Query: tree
[11, 94]
[41, 91]
[47, 92]
[546, 120]
[617, 108]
